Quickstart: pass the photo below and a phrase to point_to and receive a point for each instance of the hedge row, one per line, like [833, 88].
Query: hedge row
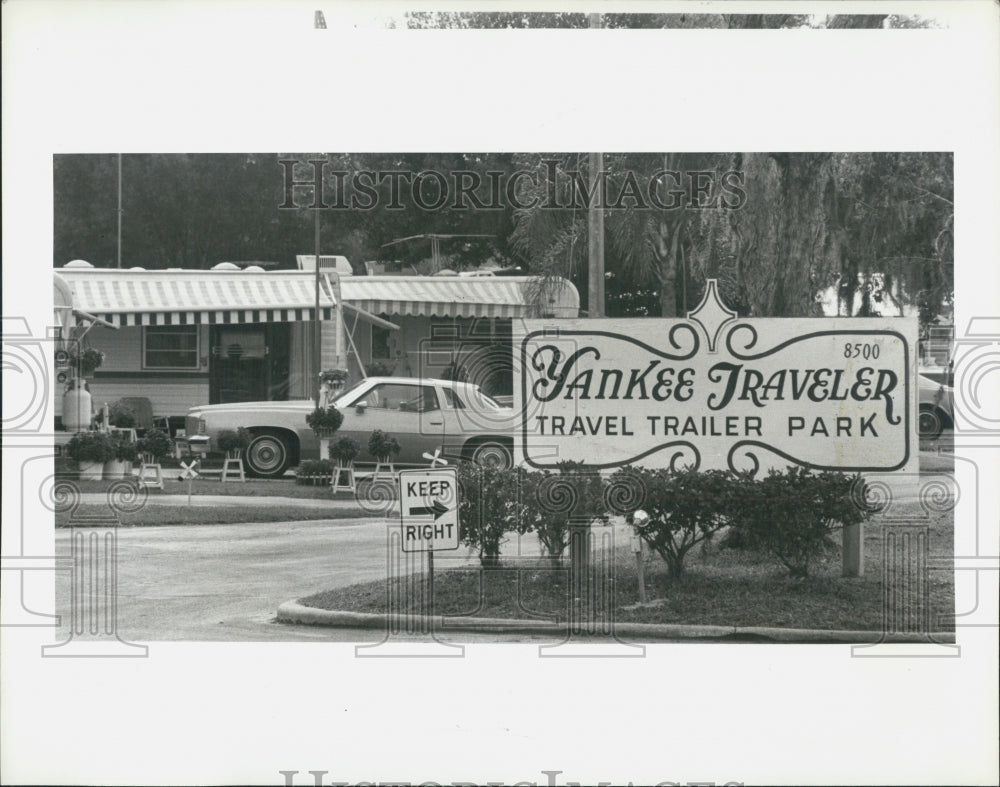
[790, 514]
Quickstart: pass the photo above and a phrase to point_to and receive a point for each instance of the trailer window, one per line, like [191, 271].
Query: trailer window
[170, 347]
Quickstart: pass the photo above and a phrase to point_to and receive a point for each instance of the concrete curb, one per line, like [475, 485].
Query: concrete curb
[294, 612]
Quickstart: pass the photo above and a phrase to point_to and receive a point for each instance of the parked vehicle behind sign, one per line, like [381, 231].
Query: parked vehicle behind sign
[424, 415]
[936, 404]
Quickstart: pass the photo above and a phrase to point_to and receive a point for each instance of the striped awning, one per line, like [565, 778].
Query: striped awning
[460, 296]
[136, 297]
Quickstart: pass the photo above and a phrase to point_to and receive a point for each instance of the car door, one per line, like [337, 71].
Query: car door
[409, 411]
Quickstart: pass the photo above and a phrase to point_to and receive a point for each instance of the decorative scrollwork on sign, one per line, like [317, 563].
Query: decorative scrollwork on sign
[712, 314]
[738, 328]
[694, 340]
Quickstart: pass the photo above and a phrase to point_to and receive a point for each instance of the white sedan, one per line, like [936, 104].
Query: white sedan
[424, 415]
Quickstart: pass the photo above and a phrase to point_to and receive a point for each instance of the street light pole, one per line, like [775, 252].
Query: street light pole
[317, 321]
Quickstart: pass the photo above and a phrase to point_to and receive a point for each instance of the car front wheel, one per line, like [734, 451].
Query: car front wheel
[492, 454]
[268, 455]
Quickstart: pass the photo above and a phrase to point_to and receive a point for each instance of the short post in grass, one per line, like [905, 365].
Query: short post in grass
[852, 550]
[189, 472]
[579, 573]
[639, 518]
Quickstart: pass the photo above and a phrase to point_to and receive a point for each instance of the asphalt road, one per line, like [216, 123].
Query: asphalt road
[223, 583]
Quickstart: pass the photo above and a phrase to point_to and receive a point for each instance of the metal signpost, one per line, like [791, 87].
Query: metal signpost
[428, 511]
[189, 472]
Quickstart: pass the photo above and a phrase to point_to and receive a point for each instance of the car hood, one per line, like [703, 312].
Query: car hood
[293, 406]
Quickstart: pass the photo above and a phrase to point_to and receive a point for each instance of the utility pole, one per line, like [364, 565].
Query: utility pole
[583, 601]
[595, 239]
[119, 210]
[317, 318]
[595, 225]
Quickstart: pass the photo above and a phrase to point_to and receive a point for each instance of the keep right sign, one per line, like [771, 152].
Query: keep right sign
[428, 507]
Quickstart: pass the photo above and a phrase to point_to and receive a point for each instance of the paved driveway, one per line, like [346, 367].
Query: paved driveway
[225, 582]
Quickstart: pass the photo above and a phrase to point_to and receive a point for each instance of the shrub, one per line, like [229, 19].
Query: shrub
[124, 449]
[156, 442]
[230, 440]
[382, 446]
[314, 472]
[489, 506]
[792, 514]
[122, 416]
[345, 450]
[325, 422]
[555, 502]
[91, 447]
[685, 508]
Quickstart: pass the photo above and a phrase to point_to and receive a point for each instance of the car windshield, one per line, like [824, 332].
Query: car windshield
[478, 400]
[354, 387]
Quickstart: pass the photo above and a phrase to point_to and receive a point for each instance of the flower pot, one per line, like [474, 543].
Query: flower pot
[91, 471]
[115, 469]
[76, 408]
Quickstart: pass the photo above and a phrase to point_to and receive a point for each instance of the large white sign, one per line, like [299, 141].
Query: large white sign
[428, 508]
[715, 391]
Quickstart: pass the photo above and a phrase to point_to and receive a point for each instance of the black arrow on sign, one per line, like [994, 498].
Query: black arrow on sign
[437, 508]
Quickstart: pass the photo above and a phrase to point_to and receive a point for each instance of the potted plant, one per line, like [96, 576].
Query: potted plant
[382, 446]
[120, 464]
[332, 382]
[345, 451]
[324, 421]
[233, 442]
[90, 450]
[87, 361]
[156, 443]
[121, 416]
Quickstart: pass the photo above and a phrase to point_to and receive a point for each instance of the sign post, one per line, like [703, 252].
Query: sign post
[189, 472]
[428, 511]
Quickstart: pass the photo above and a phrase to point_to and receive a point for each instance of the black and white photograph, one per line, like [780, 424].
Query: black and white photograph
[478, 395]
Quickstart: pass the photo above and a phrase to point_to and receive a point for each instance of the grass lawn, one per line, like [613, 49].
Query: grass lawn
[726, 587]
[181, 514]
[212, 486]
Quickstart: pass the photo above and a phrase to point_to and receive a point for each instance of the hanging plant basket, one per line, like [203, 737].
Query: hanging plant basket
[324, 422]
[87, 361]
